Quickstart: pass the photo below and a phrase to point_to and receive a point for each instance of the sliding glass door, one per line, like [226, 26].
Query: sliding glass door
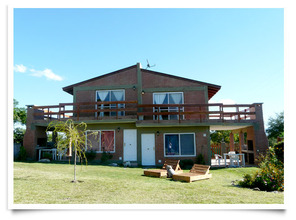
[110, 96]
[168, 98]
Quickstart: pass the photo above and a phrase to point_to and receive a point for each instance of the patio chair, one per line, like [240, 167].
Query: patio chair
[218, 158]
[163, 171]
[233, 158]
[61, 154]
[197, 172]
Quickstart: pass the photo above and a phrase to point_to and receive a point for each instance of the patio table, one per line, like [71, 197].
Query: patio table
[242, 161]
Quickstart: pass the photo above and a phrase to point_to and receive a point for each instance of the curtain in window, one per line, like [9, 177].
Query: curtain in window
[172, 144]
[102, 96]
[117, 96]
[174, 98]
[107, 141]
[160, 98]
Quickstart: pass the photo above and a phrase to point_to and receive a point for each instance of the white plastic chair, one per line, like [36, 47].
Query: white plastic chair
[218, 158]
[61, 154]
[234, 158]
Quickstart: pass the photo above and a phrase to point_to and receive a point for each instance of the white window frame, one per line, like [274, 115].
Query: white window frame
[169, 116]
[100, 144]
[110, 90]
[194, 145]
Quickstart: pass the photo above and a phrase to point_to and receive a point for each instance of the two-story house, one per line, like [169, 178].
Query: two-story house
[145, 116]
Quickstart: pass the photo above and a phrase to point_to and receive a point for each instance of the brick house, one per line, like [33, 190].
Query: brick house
[145, 116]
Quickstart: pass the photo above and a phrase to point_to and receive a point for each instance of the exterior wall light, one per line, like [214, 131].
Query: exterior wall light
[134, 88]
[157, 133]
[143, 92]
[118, 129]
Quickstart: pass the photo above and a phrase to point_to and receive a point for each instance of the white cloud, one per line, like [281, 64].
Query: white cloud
[20, 68]
[47, 73]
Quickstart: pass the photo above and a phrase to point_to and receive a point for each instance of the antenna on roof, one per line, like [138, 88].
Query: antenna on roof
[148, 65]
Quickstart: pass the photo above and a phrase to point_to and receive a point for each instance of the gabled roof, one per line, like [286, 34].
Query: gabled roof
[69, 89]
[212, 88]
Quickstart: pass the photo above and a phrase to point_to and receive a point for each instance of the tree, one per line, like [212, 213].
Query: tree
[19, 114]
[73, 140]
[275, 128]
[18, 135]
[222, 136]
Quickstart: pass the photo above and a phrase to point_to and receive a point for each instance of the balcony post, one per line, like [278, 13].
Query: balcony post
[231, 142]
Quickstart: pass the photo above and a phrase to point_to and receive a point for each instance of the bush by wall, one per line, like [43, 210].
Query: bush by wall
[90, 155]
[270, 177]
[186, 164]
[22, 156]
[105, 157]
[200, 159]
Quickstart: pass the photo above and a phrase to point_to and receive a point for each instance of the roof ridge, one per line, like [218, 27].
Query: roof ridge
[68, 88]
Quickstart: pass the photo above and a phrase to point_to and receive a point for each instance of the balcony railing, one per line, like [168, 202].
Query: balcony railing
[91, 110]
[145, 112]
[201, 112]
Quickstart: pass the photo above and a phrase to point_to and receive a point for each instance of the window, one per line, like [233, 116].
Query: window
[179, 144]
[168, 98]
[100, 141]
[110, 96]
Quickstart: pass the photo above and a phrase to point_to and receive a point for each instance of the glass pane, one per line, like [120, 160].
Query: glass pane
[174, 109]
[160, 98]
[172, 144]
[116, 96]
[93, 140]
[103, 96]
[187, 144]
[175, 98]
[107, 141]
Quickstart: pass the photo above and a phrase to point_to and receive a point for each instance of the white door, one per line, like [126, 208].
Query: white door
[148, 149]
[129, 145]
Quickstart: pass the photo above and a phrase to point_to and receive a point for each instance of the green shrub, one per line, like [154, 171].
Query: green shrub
[186, 164]
[270, 177]
[22, 154]
[90, 155]
[247, 181]
[105, 157]
[279, 151]
[200, 159]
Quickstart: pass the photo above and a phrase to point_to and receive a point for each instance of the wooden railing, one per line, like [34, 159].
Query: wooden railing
[156, 112]
[90, 109]
[203, 112]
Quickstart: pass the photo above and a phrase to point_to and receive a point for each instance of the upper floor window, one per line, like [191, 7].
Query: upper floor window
[110, 96]
[168, 98]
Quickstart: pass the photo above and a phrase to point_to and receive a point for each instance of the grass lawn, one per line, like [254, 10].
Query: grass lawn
[38, 183]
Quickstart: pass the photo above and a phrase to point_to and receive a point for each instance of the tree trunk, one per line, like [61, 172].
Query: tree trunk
[75, 165]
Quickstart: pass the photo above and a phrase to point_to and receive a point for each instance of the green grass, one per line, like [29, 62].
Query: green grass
[37, 183]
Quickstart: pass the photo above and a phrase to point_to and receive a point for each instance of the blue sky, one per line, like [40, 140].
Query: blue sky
[240, 49]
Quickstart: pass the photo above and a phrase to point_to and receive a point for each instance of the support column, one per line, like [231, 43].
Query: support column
[241, 141]
[231, 142]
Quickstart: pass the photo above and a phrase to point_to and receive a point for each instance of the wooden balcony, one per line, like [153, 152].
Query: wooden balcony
[142, 113]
